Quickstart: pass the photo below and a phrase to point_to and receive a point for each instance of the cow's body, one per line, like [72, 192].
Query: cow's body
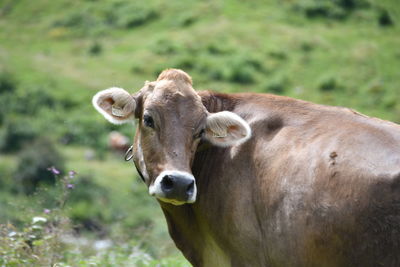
[263, 180]
[314, 186]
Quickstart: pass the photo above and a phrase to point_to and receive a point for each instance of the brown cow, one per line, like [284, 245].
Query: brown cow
[264, 180]
[118, 142]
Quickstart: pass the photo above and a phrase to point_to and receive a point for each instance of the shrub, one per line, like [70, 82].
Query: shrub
[137, 68]
[165, 47]
[131, 14]
[307, 46]
[75, 19]
[86, 202]
[33, 165]
[7, 82]
[277, 85]
[328, 84]
[328, 9]
[84, 130]
[185, 62]
[37, 244]
[6, 181]
[32, 100]
[352, 4]
[48, 238]
[323, 9]
[216, 48]
[280, 55]
[241, 74]
[16, 132]
[95, 49]
[27, 101]
[186, 19]
[39, 241]
[242, 69]
[94, 18]
[384, 18]
[210, 69]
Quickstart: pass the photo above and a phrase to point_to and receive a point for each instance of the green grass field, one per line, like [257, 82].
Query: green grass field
[55, 55]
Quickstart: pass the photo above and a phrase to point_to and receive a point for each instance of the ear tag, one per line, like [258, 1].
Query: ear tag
[117, 111]
[220, 135]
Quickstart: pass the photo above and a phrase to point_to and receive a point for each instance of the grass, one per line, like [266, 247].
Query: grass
[66, 51]
[127, 208]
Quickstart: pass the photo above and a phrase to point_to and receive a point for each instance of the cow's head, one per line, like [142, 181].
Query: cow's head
[171, 122]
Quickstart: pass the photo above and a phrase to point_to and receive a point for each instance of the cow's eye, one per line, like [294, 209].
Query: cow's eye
[200, 134]
[148, 121]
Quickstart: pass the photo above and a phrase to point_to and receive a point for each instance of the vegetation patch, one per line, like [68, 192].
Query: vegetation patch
[36, 164]
[54, 56]
[93, 18]
[327, 9]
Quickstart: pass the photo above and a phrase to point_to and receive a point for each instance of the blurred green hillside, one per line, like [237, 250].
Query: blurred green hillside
[55, 55]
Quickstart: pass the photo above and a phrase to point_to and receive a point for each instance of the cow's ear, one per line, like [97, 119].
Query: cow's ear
[115, 104]
[226, 129]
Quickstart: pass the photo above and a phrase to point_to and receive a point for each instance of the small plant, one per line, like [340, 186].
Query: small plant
[82, 212]
[95, 49]
[277, 86]
[241, 74]
[384, 18]
[330, 9]
[32, 169]
[216, 48]
[39, 241]
[93, 18]
[186, 19]
[329, 83]
[165, 47]
[84, 131]
[242, 69]
[26, 101]
[7, 82]
[279, 55]
[48, 237]
[17, 132]
[185, 62]
[134, 15]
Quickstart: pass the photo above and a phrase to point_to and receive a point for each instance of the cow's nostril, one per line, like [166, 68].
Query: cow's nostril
[190, 188]
[167, 183]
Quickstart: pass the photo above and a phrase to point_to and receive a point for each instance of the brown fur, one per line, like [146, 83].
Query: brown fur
[314, 186]
[175, 75]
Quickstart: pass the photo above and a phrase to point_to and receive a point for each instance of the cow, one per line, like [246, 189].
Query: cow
[118, 142]
[250, 179]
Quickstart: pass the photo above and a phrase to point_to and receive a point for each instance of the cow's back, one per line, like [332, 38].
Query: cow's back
[314, 186]
[329, 182]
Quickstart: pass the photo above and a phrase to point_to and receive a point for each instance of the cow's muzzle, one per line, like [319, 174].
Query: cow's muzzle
[174, 187]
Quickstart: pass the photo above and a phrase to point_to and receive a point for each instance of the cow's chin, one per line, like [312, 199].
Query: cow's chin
[173, 201]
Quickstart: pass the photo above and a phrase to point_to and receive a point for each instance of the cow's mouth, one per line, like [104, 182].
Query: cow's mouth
[172, 201]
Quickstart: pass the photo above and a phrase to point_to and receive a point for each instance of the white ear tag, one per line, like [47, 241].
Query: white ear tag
[117, 111]
[220, 135]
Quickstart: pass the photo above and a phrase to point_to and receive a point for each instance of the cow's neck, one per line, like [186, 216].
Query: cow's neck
[193, 227]
[184, 229]
[189, 225]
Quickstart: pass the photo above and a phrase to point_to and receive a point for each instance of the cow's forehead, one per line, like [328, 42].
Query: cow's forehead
[174, 101]
[167, 91]
[171, 87]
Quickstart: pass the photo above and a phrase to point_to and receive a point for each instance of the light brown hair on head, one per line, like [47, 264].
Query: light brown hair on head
[175, 75]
